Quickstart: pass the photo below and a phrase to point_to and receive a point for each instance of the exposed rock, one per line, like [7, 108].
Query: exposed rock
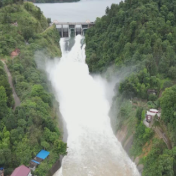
[127, 144]
[15, 53]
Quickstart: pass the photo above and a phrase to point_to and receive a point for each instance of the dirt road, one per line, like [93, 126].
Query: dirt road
[15, 96]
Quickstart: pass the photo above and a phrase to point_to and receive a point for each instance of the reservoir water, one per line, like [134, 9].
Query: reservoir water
[76, 11]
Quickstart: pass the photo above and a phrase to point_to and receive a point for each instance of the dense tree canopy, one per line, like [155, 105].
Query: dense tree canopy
[135, 33]
[33, 124]
[141, 34]
[131, 32]
[168, 105]
[5, 84]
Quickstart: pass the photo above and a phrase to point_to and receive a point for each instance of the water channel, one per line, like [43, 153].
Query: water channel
[93, 150]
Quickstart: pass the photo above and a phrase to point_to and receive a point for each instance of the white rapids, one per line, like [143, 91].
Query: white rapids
[93, 150]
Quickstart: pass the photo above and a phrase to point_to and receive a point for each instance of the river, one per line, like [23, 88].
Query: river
[93, 150]
[85, 101]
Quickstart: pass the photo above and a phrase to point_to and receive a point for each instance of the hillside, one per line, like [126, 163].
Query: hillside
[139, 37]
[34, 124]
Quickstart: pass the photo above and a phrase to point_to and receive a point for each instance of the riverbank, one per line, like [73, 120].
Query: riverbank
[129, 37]
[35, 118]
[137, 139]
[127, 143]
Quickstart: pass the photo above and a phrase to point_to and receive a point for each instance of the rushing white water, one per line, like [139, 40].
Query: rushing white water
[93, 150]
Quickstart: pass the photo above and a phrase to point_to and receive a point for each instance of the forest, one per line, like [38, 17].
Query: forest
[138, 34]
[33, 125]
[141, 34]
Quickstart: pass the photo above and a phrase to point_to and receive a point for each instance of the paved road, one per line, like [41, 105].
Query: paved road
[15, 96]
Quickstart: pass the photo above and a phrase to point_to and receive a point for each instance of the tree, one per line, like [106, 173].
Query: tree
[23, 152]
[45, 145]
[139, 113]
[172, 72]
[60, 147]
[28, 32]
[5, 84]
[168, 106]
[49, 20]
[39, 14]
[38, 90]
[3, 102]
[42, 169]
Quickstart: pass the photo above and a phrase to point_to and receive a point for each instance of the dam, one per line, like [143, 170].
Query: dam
[72, 29]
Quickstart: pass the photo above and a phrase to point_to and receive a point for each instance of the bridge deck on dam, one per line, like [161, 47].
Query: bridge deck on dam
[74, 23]
[67, 29]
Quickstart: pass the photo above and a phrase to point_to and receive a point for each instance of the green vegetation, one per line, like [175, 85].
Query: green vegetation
[160, 161]
[138, 33]
[168, 105]
[33, 125]
[7, 2]
[134, 32]
[138, 84]
[142, 135]
[141, 34]
[4, 83]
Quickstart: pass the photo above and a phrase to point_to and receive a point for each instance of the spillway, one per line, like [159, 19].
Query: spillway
[93, 150]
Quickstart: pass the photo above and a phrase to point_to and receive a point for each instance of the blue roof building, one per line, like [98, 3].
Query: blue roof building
[1, 171]
[43, 154]
[35, 161]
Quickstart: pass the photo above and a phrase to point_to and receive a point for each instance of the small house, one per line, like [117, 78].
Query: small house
[151, 113]
[55, 21]
[154, 111]
[22, 171]
[42, 155]
[15, 24]
[1, 171]
[151, 91]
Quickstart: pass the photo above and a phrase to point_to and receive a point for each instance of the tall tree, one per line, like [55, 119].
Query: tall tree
[3, 102]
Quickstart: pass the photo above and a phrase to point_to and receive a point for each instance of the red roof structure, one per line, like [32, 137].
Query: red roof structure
[21, 171]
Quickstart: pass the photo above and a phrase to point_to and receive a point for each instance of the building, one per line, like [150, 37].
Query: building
[152, 91]
[1, 171]
[151, 114]
[22, 171]
[42, 155]
[15, 24]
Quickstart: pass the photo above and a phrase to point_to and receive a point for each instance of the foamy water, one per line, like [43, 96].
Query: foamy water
[93, 150]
